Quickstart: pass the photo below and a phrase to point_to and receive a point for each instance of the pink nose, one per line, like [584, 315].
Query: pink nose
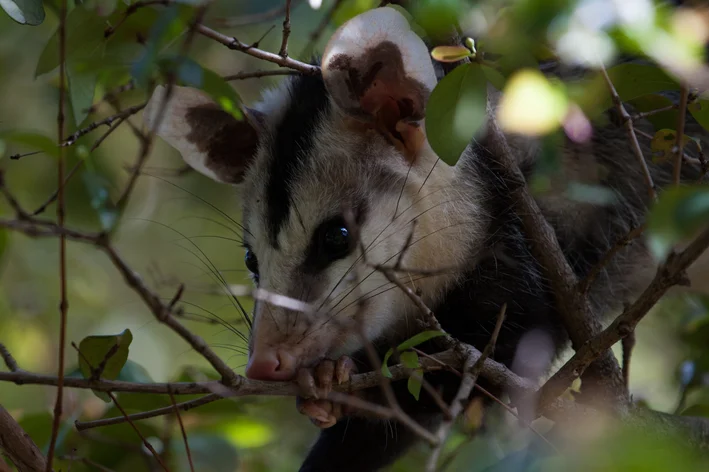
[271, 365]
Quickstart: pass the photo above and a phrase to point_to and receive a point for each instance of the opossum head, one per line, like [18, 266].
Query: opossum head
[337, 178]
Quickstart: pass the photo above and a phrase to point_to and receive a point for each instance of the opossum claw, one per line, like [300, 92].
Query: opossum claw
[344, 367]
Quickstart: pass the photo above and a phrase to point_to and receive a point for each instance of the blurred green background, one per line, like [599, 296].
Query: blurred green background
[171, 226]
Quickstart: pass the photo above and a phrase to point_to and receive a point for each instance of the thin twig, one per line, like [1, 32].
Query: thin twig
[257, 74]
[182, 428]
[283, 52]
[108, 121]
[255, 18]
[52, 198]
[471, 371]
[634, 233]
[235, 44]
[630, 128]
[111, 95]
[320, 29]
[137, 431]
[679, 145]
[10, 361]
[671, 273]
[63, 301]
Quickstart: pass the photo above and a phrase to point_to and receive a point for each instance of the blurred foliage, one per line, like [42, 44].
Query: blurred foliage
[182, 229]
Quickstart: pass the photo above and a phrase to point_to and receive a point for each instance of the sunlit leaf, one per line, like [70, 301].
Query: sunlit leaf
[437, 17]
[414, 383]
[348, 9]
[244, 432]
[678, 214]
[663, 143]
[410, 359]
[531, 105]
[109, 351]
[450, 53]
[456, 110]
[419, 338]
[25, 12]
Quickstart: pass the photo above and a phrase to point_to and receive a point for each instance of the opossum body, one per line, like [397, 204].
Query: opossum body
[337, 176]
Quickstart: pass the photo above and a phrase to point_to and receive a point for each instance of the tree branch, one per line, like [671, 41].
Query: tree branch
[18, 446]
[573, 307]
[671, 273]
[63, 300]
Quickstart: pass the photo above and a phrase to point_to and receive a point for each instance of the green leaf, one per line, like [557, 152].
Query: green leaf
[697, 410]
[414, 383]
[678, 214]
[33, 141]
[210, 453]
[25, 12]
[97, 188]
[351, 8]
[630, 81]
[700, 112]
[663, 143]
[82, 85]
[665, 119]
[167, 22]
[456, 110]
[191, 73]
[84, 33]
[494, 77]
[110, 351]
[410, 359]
[420, 338]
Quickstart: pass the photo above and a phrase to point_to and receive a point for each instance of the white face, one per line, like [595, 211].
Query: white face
[343, 181]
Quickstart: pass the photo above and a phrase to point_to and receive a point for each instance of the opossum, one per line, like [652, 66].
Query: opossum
[337, 177]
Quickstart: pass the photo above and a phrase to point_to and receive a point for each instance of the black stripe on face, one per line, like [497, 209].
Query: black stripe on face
[293, 140]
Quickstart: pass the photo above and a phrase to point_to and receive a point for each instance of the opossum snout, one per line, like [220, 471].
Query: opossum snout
[271, 365]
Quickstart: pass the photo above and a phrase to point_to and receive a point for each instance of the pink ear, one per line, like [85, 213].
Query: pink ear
[377, 70]
[210, 140]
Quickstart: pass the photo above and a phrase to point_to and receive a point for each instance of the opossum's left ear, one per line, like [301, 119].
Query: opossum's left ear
[378, 71]
[210, 140]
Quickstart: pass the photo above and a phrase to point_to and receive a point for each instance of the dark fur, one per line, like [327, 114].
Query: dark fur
[469, 311]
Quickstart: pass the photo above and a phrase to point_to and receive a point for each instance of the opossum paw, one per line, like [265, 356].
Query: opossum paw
[315, 385]
[322, 413]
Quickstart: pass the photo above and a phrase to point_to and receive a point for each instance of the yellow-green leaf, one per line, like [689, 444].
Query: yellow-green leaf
[450, 53]
[107, 354]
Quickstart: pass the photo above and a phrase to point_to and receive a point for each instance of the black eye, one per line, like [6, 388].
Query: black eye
[336, 241]
[251, 262]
